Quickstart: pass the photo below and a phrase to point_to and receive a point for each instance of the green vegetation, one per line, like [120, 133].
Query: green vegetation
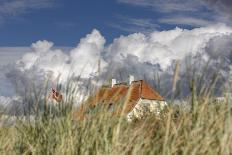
[206, 130]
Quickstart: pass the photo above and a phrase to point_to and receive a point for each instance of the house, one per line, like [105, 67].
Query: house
[136, 97]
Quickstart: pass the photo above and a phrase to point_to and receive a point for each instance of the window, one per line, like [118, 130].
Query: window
[111, 107]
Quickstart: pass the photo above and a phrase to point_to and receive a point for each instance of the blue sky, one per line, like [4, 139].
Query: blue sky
[64, 22]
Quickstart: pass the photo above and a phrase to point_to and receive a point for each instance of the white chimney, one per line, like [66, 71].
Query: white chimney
[131, 79]
[114, 81]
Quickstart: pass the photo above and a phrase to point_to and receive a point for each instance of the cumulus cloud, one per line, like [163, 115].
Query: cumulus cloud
[12, 54]
[165, 46]
[147, 56]
[81, 61]
[86, 55]
[9, 55]
[157, 52]
[46, 66]
[156, 48]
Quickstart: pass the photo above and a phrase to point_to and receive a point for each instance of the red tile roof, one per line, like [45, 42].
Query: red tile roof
[149, 93]
[128, 94]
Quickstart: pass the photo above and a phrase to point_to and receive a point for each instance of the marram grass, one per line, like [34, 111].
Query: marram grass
[208, 130]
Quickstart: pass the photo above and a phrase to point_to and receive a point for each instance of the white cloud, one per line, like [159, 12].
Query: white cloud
[158, 47]
[15, 7]
[85, 56]
[11, 54]
[133, 25]
[196, 13]
[12, 8]
[139, 54]
[82, 60]
[185, 20]
[165, 46]
[167, 5]
[48, 64]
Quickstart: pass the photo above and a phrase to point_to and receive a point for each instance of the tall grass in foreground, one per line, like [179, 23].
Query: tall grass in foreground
[207, 130]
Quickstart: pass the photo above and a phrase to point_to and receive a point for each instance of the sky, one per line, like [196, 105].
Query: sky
[42, 39]
[66, 21]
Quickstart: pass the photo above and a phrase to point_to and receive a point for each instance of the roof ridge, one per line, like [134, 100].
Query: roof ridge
[137, 81]
[121, 84]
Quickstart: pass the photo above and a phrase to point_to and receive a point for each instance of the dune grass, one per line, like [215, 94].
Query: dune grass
[200, 126]
[206, 130]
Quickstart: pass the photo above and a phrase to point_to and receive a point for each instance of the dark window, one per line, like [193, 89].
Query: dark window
[111, 107]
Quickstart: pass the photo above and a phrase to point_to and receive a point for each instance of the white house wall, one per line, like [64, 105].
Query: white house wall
[146, 107]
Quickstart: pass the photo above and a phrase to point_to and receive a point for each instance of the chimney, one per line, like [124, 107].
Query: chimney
[131, 79]
[113, 82]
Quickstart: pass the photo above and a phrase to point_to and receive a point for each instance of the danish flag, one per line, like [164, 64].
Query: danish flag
[57, 96]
